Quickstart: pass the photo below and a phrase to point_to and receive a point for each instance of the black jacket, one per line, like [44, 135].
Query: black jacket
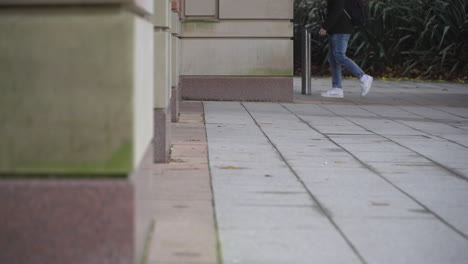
[337, 21]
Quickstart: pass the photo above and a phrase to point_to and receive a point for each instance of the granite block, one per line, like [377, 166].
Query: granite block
[161, 140]
[175, 100]
[237, 88]
[72, 221]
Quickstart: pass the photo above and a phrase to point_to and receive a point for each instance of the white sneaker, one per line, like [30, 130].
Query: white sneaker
[334, 92]
[366, 83]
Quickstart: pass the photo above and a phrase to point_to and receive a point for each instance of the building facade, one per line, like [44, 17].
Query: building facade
[237, 50]
[89, 87]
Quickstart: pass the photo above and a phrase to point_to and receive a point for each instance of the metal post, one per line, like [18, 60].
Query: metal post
[306, 57]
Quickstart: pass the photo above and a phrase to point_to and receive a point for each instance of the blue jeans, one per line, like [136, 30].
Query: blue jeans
[338, 43]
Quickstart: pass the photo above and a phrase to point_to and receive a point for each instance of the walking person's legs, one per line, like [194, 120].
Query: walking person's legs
[338, 44]
[337, 77]
[335, 69]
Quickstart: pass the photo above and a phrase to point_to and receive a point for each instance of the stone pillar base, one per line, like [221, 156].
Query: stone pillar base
[175, 101]
[161, 140]
[232, 88]
[66, 221]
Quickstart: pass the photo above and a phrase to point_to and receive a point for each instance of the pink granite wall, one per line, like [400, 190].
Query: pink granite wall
[161, 139]
[276, 89]
[66, 221]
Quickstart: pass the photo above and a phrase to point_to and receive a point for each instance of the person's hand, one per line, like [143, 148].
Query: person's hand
[322, 32]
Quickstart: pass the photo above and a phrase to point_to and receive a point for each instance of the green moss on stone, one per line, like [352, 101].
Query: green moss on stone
[117, 166]
[191, 25]
[121, 159]
[187, 20]
[270, 72]
[65, 102]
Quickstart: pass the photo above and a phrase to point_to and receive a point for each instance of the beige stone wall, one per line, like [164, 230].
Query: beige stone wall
[79, 84]
[243, 38]
[175, 49]
[206, 8]
[162, 42]
[162, 13]
[143, 83]
[175, 61]
[245, 57]
[256, 9]
[76, 90]
[176, 27]
[163, 55]
[238, 28]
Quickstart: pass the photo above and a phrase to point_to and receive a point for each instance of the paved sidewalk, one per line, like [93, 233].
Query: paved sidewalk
[379, 179]
[177, 197]
[375, 180]
[411, 93]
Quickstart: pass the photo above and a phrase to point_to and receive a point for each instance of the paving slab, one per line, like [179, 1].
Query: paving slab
[434, 187]
[302, 246]
[375, 180]
[405, 240]
[458, 111]
[432, 113]
[263, 199]
[450, 155]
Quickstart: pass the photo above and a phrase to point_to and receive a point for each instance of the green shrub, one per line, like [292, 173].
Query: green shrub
[408, 38]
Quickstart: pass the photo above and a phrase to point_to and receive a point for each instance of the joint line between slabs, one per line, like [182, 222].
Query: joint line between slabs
[219, 251]
[442, 110]
[456, 174]
[426, 118]
[383, 177]
[434, 120]
[312, 196]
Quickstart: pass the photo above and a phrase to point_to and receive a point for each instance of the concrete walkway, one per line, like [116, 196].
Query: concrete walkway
[380, 179]
[403, 93]
[177, 197]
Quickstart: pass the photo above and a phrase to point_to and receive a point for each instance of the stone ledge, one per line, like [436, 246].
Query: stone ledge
[143, 7]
